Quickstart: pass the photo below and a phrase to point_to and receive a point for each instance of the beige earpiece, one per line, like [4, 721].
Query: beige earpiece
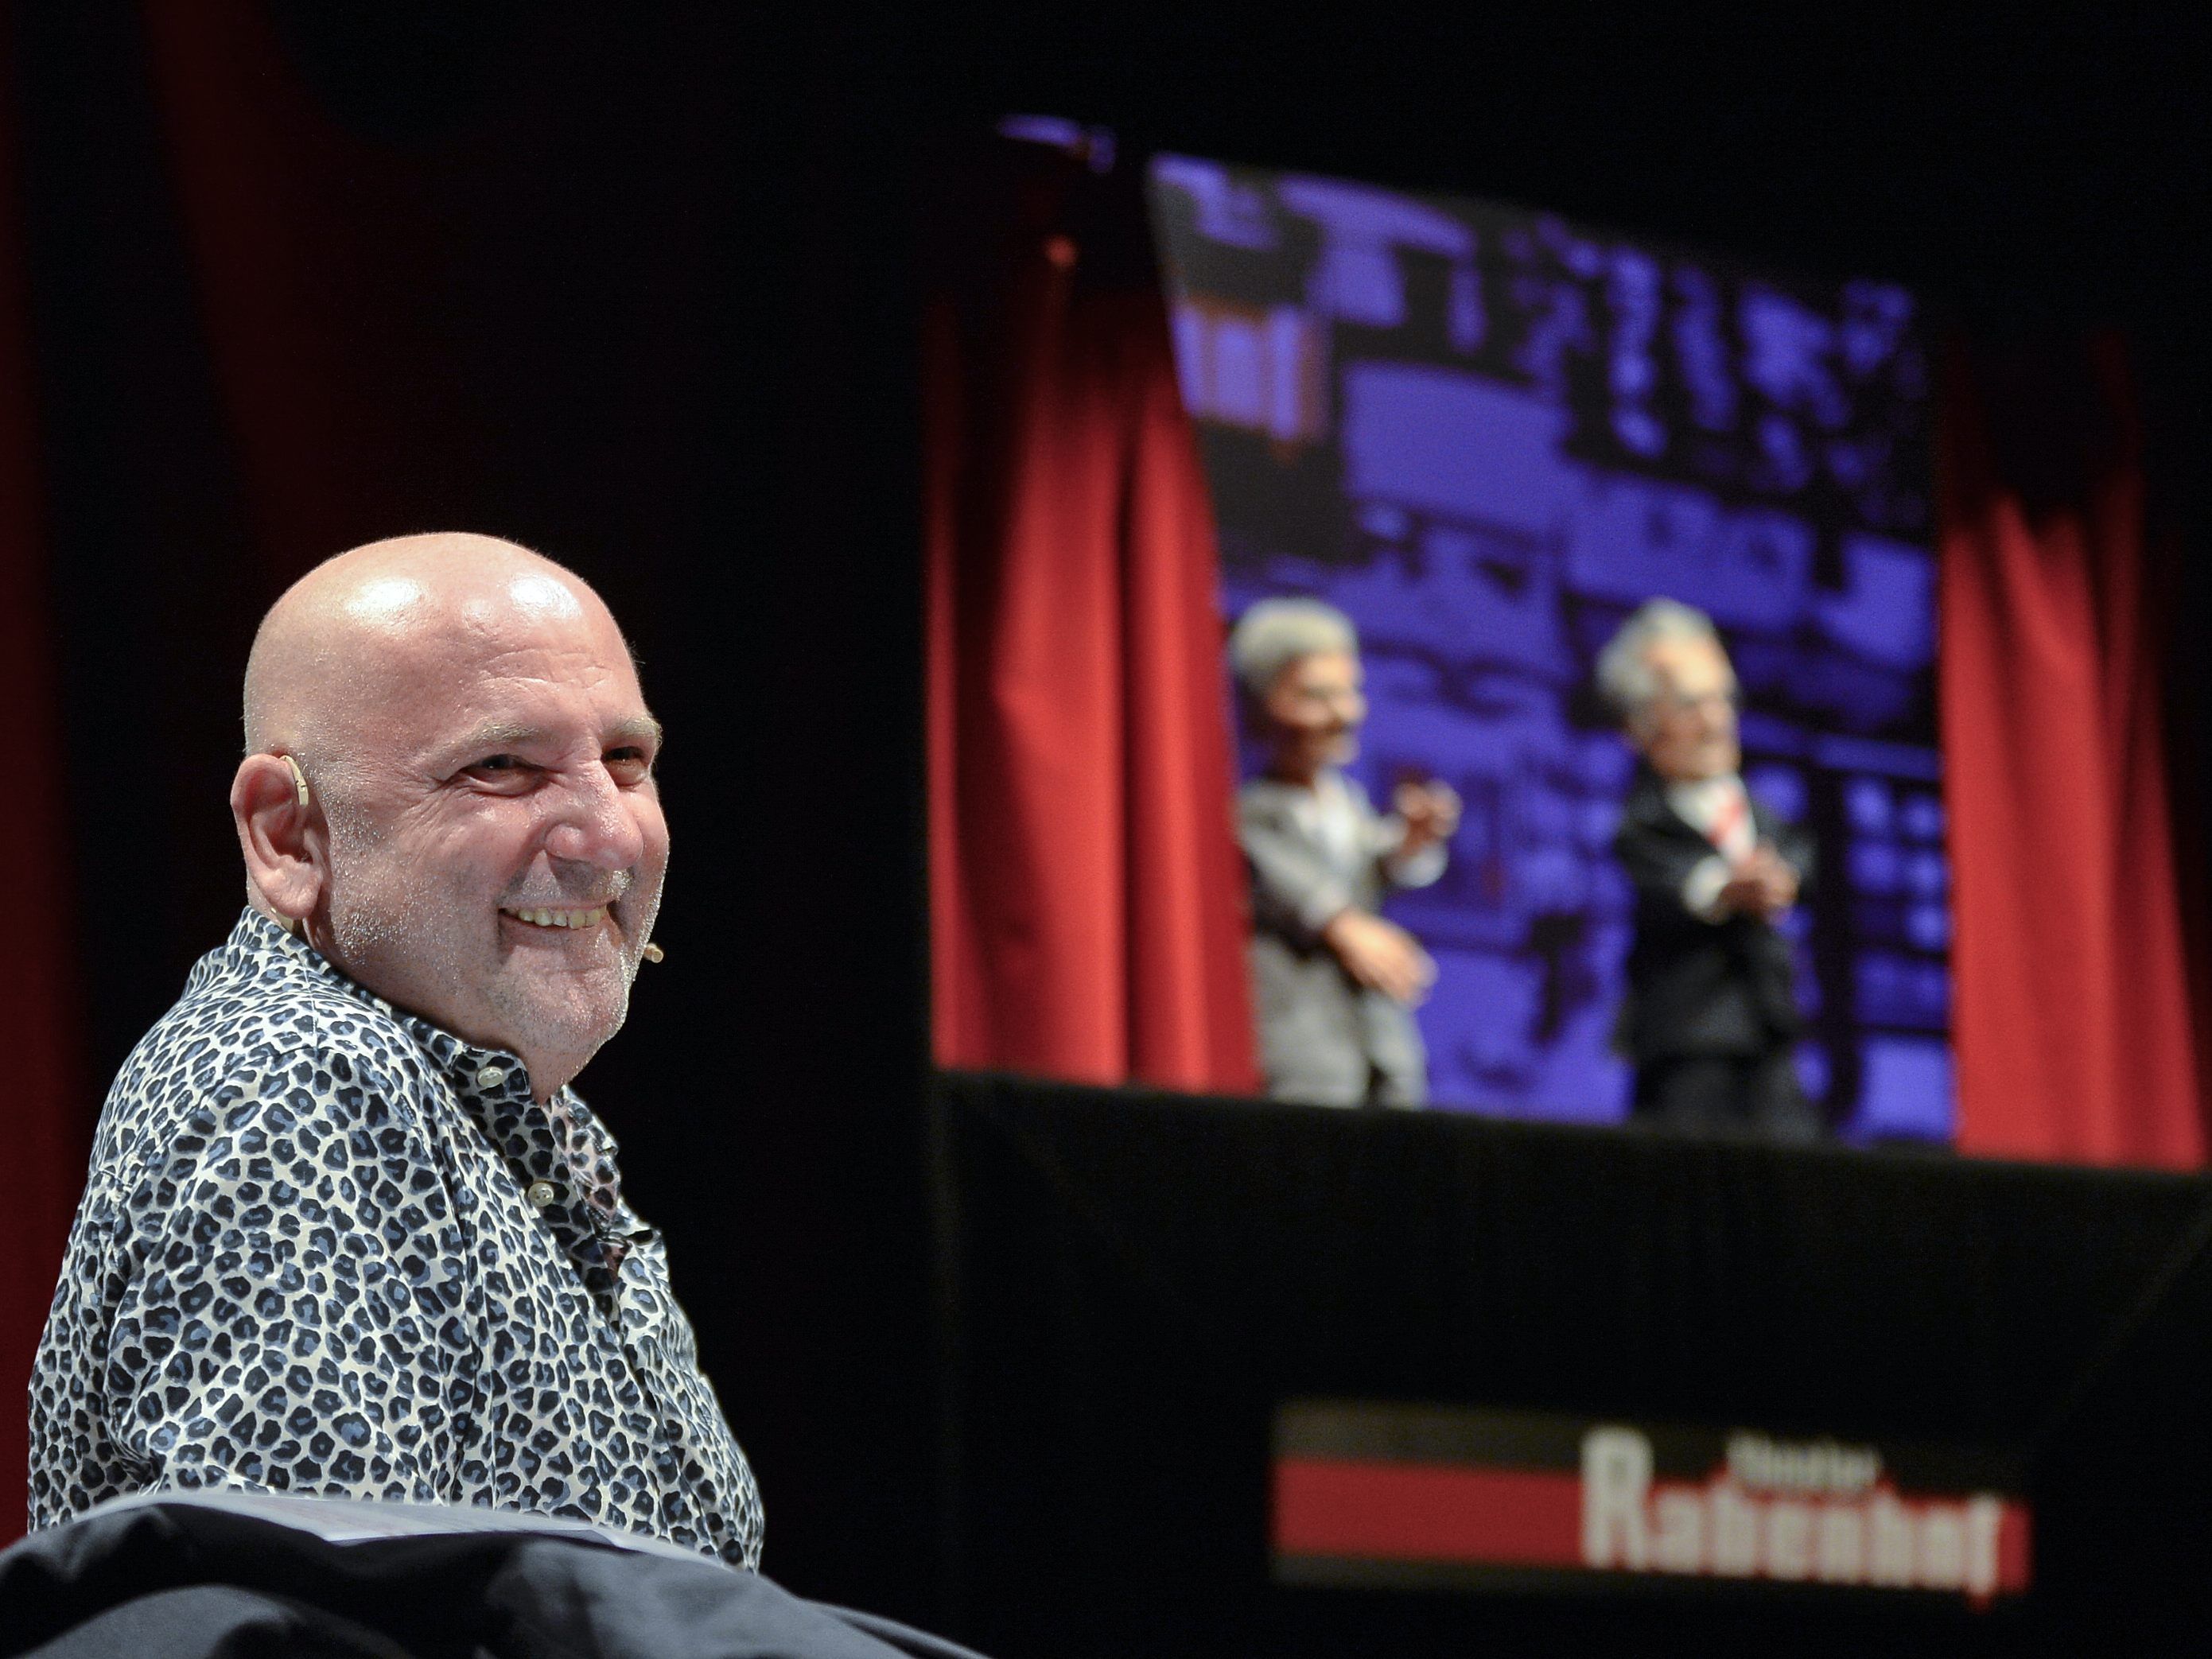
[299, 778]
[654, 953]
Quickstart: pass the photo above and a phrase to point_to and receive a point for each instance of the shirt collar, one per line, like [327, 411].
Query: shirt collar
[484, 1078]
[492, 1084]
[1699, 803]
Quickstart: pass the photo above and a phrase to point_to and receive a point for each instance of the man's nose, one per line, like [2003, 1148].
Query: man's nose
[595, 824]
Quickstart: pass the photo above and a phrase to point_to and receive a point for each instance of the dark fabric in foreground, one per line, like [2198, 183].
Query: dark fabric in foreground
[189, 1577]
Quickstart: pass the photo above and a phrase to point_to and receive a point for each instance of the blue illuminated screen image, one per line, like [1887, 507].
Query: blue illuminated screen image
[1488, 435]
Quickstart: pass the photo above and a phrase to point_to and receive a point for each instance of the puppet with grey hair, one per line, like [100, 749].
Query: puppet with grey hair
[1711, 1016]
[1334, 982]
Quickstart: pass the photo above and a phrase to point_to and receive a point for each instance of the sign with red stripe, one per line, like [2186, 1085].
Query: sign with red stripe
[1390, 1494]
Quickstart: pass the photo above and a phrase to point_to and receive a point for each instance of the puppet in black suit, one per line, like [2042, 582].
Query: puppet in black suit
[1710, 1018]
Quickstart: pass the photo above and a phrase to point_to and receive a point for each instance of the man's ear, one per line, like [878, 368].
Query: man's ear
[281, 832]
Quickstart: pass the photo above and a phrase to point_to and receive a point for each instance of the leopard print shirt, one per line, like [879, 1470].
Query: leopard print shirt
[330, 1249]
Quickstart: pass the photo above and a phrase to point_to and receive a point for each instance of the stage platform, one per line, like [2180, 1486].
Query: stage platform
[1133, 1286]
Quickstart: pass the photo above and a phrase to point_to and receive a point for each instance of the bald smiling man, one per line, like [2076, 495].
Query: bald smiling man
[349, 1232]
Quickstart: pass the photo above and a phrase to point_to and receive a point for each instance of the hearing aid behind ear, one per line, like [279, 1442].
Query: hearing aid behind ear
[299, 778]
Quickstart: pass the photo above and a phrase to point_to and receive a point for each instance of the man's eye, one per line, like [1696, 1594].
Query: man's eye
[498, 769]
[629, 764]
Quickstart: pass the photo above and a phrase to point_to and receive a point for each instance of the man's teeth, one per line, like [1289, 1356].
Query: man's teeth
[561, 918]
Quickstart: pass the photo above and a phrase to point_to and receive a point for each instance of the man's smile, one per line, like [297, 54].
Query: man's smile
[552, 918]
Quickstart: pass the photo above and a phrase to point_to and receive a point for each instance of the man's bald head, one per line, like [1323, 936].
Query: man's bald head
[342, 636]
[473, 830]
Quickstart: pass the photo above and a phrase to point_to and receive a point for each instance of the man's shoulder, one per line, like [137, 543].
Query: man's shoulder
[1263, 803]
[266, 1033]
[1644, 813]
[1764, 814]
[1271, 798]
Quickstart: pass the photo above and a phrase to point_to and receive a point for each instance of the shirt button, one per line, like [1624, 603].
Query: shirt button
[540, 1193]
[491, 1077]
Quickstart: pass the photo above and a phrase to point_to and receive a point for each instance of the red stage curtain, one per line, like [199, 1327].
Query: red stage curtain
[317, 255]
[2073, 1018]
[1086, 893]
[42, 1103]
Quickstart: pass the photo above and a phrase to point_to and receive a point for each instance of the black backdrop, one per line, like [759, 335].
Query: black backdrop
[671, 346]
[664, 339]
